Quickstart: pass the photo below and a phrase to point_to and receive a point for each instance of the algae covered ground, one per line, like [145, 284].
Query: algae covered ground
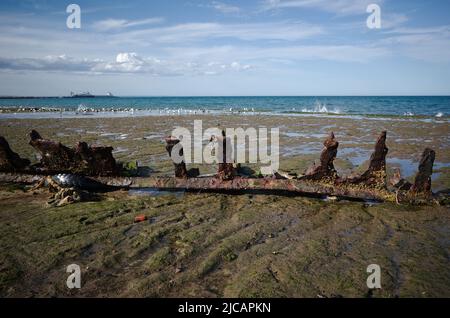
[215, 245]
[208, 245]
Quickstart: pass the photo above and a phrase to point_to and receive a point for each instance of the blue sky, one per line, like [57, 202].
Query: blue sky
[259, 47]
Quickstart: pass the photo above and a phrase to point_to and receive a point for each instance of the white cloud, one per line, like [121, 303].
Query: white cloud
[225, 8]
[189, 32]
[117, 24]
[430, 44]
[392, 20]
[335, 6]
[130, 63]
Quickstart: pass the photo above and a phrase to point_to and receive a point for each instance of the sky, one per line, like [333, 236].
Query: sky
[225, 48]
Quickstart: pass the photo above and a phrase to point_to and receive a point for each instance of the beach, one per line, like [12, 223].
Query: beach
[216, 245]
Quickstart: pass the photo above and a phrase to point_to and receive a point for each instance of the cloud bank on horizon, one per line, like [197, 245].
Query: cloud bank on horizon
[260, 47]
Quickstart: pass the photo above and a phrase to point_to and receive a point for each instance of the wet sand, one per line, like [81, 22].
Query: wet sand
[219, 245]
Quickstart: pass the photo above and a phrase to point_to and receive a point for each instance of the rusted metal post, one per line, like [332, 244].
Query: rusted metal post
[226, 169]
[375, 175]
[180, 167]
[422, 182]
[9, 160]
[326, 168]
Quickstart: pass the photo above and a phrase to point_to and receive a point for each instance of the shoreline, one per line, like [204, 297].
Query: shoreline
[52, 112]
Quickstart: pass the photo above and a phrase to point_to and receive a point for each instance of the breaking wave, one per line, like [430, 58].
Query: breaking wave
[321, 108]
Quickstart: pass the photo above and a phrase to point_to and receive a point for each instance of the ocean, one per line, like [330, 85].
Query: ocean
[410, 106]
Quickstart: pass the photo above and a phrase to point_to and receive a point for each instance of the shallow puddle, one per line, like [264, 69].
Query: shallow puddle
[153, 192]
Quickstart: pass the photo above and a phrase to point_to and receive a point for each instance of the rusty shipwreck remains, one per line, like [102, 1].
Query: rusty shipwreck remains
[96, 167]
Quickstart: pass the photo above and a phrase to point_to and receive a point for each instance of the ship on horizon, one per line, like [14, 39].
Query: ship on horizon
[88, 95]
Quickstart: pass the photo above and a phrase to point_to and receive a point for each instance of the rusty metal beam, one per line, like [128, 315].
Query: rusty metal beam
[236, 185]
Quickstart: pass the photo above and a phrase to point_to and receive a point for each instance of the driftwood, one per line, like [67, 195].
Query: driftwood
[83, 159]
[9, 160]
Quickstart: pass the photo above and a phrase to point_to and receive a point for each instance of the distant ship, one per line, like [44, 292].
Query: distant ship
[88, 95]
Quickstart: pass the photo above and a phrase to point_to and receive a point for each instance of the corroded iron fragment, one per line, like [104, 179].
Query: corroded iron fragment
[398, 182]
[226, 169]
[422, 182]
[9, 160]
[83, 159]
[319, 181]
[375, 175]
[325, 170]
[180, 165]
[419, 192]
[54, 155]
[94, 160]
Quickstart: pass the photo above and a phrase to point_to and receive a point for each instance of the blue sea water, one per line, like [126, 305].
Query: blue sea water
[430, 106]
